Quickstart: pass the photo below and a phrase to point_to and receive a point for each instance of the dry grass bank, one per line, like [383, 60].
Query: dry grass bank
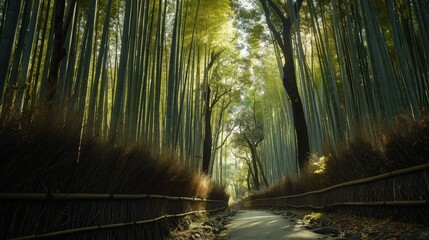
[404, 145]
[43, 158]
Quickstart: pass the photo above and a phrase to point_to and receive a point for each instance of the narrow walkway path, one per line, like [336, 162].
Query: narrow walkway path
[250, 224]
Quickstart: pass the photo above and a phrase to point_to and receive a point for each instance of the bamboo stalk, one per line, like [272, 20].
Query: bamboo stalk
[108, 226]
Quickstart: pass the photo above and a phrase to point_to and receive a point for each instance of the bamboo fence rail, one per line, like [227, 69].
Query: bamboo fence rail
[89, 196]
[365, 204]
[108, 226]
[403, 188]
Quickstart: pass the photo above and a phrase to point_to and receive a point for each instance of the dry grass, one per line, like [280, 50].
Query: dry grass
[46, 160]
[404, 145]
[37, 158]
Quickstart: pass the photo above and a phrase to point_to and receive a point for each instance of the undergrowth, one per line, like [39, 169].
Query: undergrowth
[40, 157]
[402, 145]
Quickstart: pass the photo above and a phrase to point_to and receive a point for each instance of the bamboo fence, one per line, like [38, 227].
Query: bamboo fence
[403, 193]
[95, 216]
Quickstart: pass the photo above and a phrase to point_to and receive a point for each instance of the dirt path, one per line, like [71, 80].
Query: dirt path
[250, 224]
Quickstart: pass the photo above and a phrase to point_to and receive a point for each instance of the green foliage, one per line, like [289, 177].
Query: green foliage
[212, 22]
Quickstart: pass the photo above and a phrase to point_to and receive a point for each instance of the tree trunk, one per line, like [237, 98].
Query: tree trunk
[207, 149]
[57, 53]
[289, 83]
[255, 164]
[256, 173]
[248, 181]
[284, 39]
[264, 178]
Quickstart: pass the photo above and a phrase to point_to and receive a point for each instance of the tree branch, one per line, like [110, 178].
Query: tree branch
[286, 21]
[218, 97]
[277, 35]
[227, 136]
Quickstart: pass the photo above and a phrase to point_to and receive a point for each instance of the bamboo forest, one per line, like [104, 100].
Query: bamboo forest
[140, 119]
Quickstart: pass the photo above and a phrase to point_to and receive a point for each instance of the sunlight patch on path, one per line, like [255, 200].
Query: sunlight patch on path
[249, 224]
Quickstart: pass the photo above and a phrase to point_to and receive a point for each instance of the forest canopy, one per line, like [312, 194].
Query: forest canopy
[242, 90]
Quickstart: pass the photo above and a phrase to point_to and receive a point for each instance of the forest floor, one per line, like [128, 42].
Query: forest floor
[202, 226]
[345, 226]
